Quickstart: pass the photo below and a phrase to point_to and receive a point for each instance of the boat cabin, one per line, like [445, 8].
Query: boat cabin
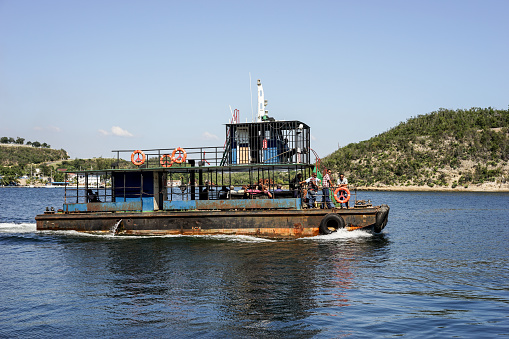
[253, 170]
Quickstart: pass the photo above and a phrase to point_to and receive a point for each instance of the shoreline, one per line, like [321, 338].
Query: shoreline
[483, 189]
[486, 188]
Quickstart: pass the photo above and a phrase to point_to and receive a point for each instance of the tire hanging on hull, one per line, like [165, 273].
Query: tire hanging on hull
[382, 217]
[331, 220]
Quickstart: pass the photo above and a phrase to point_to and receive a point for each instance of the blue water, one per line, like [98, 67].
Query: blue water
[440, 269]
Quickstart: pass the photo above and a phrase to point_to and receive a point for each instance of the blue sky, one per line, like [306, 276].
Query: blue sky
[93, 76]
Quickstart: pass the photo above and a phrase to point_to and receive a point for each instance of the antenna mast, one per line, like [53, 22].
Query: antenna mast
[262, 113]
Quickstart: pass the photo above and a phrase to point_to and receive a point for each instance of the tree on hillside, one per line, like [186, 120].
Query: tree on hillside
[36, 144]
[9, 180]
[20, 141]
[4, 140]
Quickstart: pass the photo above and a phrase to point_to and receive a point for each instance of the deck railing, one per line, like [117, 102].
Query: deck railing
[203, 157]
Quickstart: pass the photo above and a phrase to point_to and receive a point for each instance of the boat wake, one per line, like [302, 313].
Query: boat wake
[342, 234]
[31, 228]
[112, 236]
[233, 238]
[11, 227]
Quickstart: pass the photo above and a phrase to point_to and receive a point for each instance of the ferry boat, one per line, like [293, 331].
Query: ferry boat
[245, 187]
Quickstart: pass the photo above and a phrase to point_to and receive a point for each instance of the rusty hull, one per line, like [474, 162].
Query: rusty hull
[262, 223]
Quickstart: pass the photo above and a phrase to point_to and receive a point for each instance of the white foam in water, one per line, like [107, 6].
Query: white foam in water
[233, 238]
[98, 235]
[17, 228]
[78, 234]
[28, 227]
[343, 234]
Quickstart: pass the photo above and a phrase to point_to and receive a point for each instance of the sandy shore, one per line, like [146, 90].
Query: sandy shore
[393, 189]
[491, 187]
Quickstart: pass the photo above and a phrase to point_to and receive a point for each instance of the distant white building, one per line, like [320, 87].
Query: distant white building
[92, 179]
[174, 183]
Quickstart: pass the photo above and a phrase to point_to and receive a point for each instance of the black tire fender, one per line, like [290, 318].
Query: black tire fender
[331, 220]
[382, 217]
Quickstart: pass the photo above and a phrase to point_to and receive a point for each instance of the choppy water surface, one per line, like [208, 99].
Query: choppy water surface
[440, 269]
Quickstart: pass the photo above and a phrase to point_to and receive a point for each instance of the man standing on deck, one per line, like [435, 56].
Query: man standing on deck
[295, 185]
[326, 203]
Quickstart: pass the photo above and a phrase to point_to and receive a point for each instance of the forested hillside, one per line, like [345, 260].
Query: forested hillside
[443, 148]
[52, 167]
[22, 155]
[18, 160]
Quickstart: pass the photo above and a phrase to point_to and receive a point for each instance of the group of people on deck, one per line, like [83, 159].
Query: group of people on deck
[256, 189]
[309, 188]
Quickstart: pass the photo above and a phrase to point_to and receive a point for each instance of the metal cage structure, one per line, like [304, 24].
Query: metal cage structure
[267, 142]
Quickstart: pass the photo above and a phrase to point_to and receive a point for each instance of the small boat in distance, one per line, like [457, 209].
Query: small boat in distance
[248, 186]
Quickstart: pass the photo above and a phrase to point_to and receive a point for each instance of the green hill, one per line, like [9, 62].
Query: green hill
[12, 155]
[445, 148]
[43, 164]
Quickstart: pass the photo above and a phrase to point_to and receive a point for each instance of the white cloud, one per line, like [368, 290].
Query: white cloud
[209, 136]
[118, 131]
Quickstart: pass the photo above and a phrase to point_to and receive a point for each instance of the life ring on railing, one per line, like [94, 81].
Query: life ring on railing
[344, 196]
[181, 157]
[166, 160]
[138, 161]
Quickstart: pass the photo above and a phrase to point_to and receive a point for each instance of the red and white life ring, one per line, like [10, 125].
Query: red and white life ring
[166, 160]
[181, 157]
[138, 161]
[344, 195]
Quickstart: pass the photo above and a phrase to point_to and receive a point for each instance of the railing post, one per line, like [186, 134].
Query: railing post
[141, 190]
[192, 178]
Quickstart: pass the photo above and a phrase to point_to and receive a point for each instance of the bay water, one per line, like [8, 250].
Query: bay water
[439, 269]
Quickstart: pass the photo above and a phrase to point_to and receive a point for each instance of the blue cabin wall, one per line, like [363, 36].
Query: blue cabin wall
[131, 187]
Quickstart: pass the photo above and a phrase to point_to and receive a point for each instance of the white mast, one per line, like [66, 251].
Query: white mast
[261, 102]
